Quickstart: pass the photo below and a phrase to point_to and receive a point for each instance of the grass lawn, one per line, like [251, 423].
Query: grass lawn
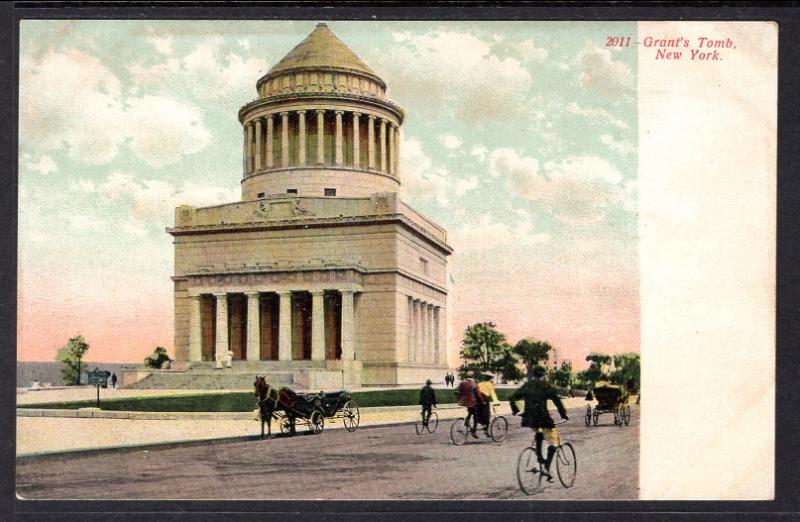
[244, 401]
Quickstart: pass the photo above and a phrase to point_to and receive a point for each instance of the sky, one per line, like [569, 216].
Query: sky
[520, 138]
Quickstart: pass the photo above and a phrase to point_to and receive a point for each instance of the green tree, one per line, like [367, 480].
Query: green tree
[71, 355]
[562, 376]
[595, 372]
[484, 349]
[157, 358]
[532, 352]
[627, 367]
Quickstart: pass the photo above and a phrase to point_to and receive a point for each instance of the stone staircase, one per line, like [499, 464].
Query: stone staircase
[203, 376]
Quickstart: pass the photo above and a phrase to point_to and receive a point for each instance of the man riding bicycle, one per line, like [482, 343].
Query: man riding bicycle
[469, 397]
[427, 399]
[536, 393]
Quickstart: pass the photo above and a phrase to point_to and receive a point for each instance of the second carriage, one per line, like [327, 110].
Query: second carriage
[610, 399]
[314, 409]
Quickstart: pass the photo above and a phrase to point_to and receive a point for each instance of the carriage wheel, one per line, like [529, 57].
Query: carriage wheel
[566, 465]
[350, 416]
[458, 432]
[621, 416]
[498, 429]
[286, 425]
[433, 422]
[529, 475]
[595, 416]
[627, 415]
[588, 417]
[316, 422]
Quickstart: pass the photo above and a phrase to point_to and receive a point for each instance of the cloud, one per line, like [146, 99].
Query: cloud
[71, 100]
[619, 146]
[528, 52]
[419, 176]
[600, 72]
[576, 190]
[465, 185]
[45, 165]
[207, 73]
[457, 73]
[162, 44]
[598, 116]
[479, 151]
[490, 235]
[450, 142]
[154, 201]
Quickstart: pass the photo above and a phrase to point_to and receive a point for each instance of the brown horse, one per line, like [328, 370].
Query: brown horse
[270, 400]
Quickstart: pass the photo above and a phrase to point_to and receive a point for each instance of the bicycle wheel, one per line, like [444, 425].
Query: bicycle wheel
[566, 465]
[433, 422]
[419, 426]
[498, 429]
[529, 475]
[458, 432]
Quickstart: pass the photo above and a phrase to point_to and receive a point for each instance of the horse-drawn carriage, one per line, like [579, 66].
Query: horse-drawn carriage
[610, 399]
[311, 409]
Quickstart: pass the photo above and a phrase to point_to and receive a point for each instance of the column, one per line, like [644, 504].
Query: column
[339, 138]
[392, 150]
[415, 330]
[195, 330]
[371, 143]
[425, 326]
[409, 328]
[270, 134]
[244, 150]
[249, 147]
[222, 325]
[421, 332]
[284, 139]
[429, 331]
[259, 164]
[253, 327]
[383, 145]
[348, 326]
[356, 144]
[397, 152]
[317, 326]
[301, 149]
[320, 137]
[285, 327]
[437, 356]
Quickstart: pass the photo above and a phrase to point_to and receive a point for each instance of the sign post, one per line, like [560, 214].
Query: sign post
[98, 378]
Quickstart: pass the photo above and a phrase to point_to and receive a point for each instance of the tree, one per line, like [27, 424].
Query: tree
[158, 358]
[562, 376]
[626, 368]
[71, 355]
[532, 352]
[595, 372]
[484, 349]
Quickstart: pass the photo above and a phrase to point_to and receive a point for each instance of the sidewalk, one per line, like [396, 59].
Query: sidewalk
[45, 435]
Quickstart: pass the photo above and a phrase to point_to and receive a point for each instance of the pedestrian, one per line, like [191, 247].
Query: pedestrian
[469, 397]
[427, 399]
[114, 380]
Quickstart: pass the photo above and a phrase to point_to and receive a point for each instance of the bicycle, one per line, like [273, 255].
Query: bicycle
[430, 426]
[497, 430]
[531, 472]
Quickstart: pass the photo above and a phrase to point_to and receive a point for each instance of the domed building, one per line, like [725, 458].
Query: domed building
[320, 276]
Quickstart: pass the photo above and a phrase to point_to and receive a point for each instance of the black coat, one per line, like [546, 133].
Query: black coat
[427, 396]
[536, 394]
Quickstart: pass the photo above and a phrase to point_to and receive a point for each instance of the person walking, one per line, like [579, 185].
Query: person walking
[427, 399]
[114, 380]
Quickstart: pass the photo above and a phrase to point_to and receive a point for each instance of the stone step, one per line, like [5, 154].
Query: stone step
[221, 380]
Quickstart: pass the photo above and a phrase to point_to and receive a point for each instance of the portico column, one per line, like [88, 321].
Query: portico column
[259, 164]
[284, 139]
[222, 325]
[270, 134]
[249, 147]
[415, 331]
[409, 328]
[429, 331]
[371, 143]
[285, 327]
[320, 137]
[301, 149]
[397, 152]
[317, 326]
[253, 327]
[392, 150]
[195, 330]
[339, 137]
[421, 333]
[244, 150]
[383, 145]
[437, 356]
[356, 144]
[348, 326]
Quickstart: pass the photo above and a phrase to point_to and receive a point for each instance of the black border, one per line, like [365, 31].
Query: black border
[787, 486]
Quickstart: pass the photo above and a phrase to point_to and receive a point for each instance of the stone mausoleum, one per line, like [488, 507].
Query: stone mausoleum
[320, 275]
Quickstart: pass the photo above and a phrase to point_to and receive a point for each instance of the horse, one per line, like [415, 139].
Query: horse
[270, 400]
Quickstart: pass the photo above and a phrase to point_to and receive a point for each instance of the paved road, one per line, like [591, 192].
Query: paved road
[376, 463]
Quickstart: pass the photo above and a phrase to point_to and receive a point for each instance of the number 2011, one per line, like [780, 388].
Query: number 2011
[618, 41]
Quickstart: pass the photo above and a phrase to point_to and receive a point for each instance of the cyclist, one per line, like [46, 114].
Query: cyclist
[536, 393]
[469, 397]
[427, 398]
[489, 396]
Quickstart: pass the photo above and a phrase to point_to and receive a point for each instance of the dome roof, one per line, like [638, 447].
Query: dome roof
[322, 50]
